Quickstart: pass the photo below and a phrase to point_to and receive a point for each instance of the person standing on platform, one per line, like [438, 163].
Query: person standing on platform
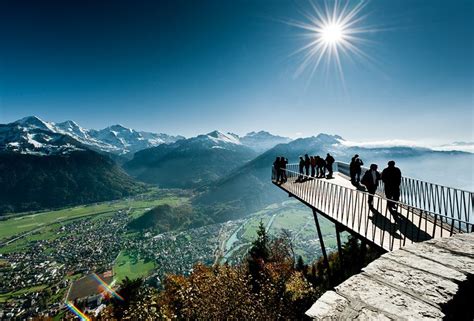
[313, 165]
[284, 162]
[307, 163]
[371, 180]
[392, 178]
[276, 166]
[300, 177]
[329, 163]
[321, 167]
[355, 169]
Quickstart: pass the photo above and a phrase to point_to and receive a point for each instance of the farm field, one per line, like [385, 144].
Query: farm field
[18, 225]
[291, 217]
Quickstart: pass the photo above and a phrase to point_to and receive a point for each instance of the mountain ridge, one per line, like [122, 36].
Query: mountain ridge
[115, 139]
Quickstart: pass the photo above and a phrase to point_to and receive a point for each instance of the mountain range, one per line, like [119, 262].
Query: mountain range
[190, 163]
[46, 165]
[31, 135]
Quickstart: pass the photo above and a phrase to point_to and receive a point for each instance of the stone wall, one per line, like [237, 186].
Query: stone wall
[416, 282]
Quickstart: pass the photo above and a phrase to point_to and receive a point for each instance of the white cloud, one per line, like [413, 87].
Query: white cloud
[459, 146]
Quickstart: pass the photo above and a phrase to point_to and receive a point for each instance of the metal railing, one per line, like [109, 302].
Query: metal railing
[449, 201]
[380, 225]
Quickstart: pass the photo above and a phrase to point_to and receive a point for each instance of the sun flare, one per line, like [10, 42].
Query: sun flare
[331, 33]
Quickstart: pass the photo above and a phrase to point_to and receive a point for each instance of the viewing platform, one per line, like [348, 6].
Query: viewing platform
[425, 210]
[428, 271]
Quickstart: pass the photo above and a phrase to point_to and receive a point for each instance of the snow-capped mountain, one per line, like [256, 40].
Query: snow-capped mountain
[35, 136]
[215, 139]
[262, 140]
[190, 162]
[257, 141]
[31, 135]
[124, 140]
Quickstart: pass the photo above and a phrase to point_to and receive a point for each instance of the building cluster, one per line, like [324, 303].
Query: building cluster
[175, 252]
[38, 276]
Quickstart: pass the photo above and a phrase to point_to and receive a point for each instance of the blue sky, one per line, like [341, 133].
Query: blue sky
[187, 67]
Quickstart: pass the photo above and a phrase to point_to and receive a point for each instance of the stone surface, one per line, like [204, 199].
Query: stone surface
[332, 306]
[329, 305]
[417, 262]
[442, 256]
[462, 243]
[408, 284]
[388, 300]
[430, 287]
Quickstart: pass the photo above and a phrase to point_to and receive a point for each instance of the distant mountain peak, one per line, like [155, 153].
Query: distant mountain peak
[233, 135]
[214, 133]
[259, 133]
[120, 128]
[263, 140]
[34, 121]
[69, 123]
[218, 136]
[329, 138]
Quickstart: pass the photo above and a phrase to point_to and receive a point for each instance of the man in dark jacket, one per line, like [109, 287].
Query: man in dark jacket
[300, 177]
[355, 169]
[371, 180]
[313, 165]
[307, 163]
[277, 167]
[329, 162]
[392, 178]
[321, 167]
[284, 162]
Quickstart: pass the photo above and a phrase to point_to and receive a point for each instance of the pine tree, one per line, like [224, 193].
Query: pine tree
[260, 247]
[259, 254]
[300, 264]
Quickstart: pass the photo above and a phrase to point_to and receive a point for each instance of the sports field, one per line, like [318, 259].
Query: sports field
[126, 265]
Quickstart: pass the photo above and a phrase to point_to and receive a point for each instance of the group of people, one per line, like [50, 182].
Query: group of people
[318, 166]
[390, 176]
[280, 167]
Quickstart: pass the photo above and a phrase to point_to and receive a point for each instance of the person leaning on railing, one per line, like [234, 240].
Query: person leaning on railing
[277, 167]
[283, 163]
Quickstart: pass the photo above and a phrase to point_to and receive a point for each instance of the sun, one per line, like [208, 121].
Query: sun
[332, 32]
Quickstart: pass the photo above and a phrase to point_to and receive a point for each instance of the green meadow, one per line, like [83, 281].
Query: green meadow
[21, 224]
[127, 265]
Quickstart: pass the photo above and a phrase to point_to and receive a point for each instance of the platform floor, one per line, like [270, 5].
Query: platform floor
[337, 199]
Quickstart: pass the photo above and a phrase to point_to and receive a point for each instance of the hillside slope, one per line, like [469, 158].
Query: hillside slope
[248, 188]
[33, 182]
[190, 163]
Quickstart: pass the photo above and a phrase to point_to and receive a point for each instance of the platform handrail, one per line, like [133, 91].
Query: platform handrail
[328, 195]
[432, 197]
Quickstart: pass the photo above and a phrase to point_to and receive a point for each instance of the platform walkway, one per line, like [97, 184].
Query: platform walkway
[347, 206]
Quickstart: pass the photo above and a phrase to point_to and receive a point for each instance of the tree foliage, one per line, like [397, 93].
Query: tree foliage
[268, 285]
